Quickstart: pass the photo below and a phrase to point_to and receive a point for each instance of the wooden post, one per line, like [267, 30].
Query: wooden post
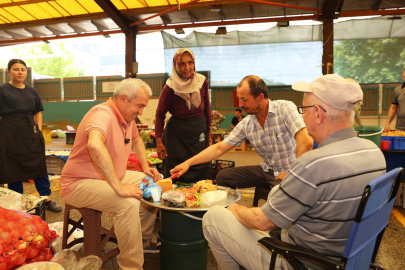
[130, 53]
[327, 18]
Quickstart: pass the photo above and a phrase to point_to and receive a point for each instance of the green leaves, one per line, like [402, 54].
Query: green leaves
[370, 60]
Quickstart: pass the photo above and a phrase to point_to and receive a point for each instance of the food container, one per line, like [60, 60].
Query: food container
[70, 137]
[385, 145]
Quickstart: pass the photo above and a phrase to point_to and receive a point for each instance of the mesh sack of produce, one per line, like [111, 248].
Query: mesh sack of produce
[23, 239]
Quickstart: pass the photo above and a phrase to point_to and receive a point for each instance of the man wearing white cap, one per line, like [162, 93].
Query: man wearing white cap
[316, 202]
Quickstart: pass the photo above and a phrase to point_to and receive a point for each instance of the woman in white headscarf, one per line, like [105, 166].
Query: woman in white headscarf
[188, 131]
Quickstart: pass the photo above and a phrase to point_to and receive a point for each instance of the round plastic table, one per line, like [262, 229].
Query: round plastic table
[183, 245]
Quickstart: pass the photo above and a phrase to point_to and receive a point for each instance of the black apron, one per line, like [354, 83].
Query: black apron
[183, 139]
[22, 149]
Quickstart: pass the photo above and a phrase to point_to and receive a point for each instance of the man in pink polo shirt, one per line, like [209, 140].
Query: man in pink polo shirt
[95, 175]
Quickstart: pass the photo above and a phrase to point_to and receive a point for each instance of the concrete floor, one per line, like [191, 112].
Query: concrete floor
[390, 255]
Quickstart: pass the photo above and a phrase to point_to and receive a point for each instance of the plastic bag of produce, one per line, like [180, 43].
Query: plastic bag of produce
[174, 198]
[72, 260]
[217, 197]
[42, 266]
[10, 201]
[152, 193]
[23, 238]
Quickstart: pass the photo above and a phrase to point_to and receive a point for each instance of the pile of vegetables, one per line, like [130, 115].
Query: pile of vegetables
[23, 239]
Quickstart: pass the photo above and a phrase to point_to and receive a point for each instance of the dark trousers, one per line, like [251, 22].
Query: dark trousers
[246, 177]
[41, 183]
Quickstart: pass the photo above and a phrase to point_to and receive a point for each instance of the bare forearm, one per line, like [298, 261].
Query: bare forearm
[391, 114]
[102, 161]
[252, 218]
[209, 154]
[303, 148]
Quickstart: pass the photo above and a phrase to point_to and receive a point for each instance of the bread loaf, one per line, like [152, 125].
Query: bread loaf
[166, 184]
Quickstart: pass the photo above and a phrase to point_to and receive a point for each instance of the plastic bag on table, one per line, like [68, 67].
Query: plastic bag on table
[42, 266]
[217, 197]
[174, 198]
[10, 201]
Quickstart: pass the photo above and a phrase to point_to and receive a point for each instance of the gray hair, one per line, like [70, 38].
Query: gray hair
[130, 87]
[333, 114]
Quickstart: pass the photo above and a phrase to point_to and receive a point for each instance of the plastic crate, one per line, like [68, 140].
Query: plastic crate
[39, 210]
[54, 165]
[389, 139]
[398, 143]
[220, 165]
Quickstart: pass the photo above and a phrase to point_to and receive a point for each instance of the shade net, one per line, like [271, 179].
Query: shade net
[369, 51]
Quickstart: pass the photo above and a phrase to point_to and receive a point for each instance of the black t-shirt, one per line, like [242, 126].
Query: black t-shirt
[16, 100]
[235, 120]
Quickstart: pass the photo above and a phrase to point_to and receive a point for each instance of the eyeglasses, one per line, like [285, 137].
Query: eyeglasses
[301, 108]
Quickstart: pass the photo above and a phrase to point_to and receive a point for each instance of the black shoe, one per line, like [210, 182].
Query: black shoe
[53, 207]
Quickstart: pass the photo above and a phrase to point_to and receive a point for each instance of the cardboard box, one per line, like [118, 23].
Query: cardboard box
[54, 165]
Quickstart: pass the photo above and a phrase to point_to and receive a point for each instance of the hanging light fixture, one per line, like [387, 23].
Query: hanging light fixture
[179, 30]
[221, 31]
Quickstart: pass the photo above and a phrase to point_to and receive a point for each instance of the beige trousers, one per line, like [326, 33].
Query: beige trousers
[130, 214]
[234, 244]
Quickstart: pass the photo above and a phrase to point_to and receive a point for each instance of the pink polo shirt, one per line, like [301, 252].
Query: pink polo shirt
[107, 119]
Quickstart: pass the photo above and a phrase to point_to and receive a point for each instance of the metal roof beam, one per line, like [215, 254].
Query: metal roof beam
[165, 20]
[247, 21]
[221, 15]
[35, 33]
[99, 26]
[115, 15]
[376, 5]
[163, 12]
[22, 41]
[282, 5]
[15, 35]
[192, 17]
[252, 14]
[77, 29]
[55, 31]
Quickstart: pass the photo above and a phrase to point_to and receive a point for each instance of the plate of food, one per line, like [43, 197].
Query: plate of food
[188, 197]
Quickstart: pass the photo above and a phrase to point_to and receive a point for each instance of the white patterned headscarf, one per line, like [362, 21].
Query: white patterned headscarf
[188, 89]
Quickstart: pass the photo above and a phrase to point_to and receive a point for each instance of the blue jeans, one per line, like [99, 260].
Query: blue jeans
[41, 183]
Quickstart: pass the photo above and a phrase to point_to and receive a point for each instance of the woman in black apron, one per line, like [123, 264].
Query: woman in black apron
[22, 145]
[188, 131]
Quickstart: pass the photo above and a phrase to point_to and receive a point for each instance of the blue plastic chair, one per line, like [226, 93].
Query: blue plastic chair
[365, 235]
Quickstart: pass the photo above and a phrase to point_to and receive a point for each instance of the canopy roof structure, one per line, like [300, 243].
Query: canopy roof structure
[32, 20]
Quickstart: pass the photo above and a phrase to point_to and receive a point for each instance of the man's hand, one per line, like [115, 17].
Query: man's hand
[210, 134]
[129, 190]
[161, 149]
[281, 176]
[233, 208]
[180, 169]
[152, 172]
[387, 128]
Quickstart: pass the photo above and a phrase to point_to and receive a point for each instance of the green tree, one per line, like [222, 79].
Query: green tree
[58, 67]
[370, 60]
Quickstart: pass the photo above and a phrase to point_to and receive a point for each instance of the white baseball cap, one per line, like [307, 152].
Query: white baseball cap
[334, 90]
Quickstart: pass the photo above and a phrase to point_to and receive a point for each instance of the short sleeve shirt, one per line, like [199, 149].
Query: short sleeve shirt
[17, 100]
[398, 98]
[276, 142]
[107, 119]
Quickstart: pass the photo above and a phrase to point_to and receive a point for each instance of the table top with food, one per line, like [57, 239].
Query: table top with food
[188, 197]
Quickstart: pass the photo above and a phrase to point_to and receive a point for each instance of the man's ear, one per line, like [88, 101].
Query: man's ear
[319, 115]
